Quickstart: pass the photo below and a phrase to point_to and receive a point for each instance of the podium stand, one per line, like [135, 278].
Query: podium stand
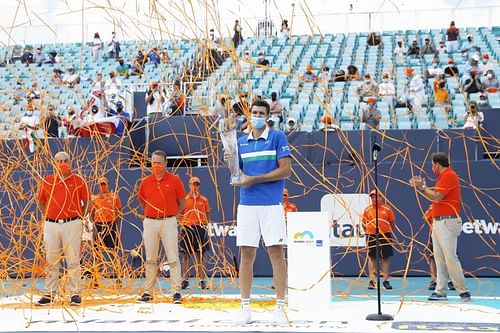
[309, 281]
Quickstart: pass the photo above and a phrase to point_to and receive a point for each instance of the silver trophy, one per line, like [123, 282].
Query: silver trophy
[230, 143]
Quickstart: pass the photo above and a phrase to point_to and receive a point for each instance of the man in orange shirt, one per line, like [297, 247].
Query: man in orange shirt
[385, 223]
[106, 213]
[287, 205]
[446, 227]
[63, 198]
[194, 234]
[161, 196]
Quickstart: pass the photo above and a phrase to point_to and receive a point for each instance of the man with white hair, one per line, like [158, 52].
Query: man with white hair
[63, 197]
[415, 90]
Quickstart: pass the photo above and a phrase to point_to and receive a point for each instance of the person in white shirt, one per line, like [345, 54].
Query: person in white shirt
[434, 70]
[415, 90]
[97, 46]
[245, 65]
[112, 87]
[29, 125]
[442, 49]
[324, 77]
[474, 117]
[386, 87]
[71, 78]
[98, 84]
[155, 98]
[400, 53]
[485, 65]
[285, 29]
[114, 47]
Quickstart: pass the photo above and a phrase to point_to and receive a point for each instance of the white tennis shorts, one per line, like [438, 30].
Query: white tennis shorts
[252, 222]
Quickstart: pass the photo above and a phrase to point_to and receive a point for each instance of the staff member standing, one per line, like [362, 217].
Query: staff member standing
[161, 196]
[385, 224]
[446, 201]
[63, 198]
[194, 233]
[106, 213]
[287, 205]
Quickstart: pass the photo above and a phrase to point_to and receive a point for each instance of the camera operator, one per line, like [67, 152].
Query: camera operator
[474, 117]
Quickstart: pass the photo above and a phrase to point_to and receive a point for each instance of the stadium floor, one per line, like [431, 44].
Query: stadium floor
[214, 310]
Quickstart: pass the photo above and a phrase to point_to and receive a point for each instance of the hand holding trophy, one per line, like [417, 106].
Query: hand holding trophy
[228, 134]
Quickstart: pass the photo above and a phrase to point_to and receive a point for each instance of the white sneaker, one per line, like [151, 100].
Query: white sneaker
[279, 316]
[244, 316]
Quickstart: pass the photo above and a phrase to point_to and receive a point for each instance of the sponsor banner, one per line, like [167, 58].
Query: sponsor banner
[344, 211]
[308, 280]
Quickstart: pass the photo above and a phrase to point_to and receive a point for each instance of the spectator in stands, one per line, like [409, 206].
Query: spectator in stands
[415, 90]
[246, 65]
[353, 73]
[177, 100]
[164, 56]
[451, 69]
[52, 122]
[473, 64]
[413, 50]
[241, 106]
[114, 47]
[276, 108]
[442, 48]
[285, 29]
[483, 101]
[434, 70]
[291, 125]
[472, 84]
[124, 118]
[474, 118]
[154, 57]
[39, 57]
[386, 221]
[139, 62]
[34, 93]
[486, 64]
[428, 47]
[53, 58]
[324, 77]
[98, 83]
[400, 53]
[155, 99]
[340, 76]
[328, 124]
[71, 77]
[370, 115]
[367, 88]
[452, 38]
[28, 126]
[262, 59]
[308, 75]
[287, 205]
[27, 57]
[469, 47]
[238, 36]
[374, 39]
[386, 87]
[222, 108]
[112, 87]
[441, 96]
[490, 82]
[123, 68]
[97, 47]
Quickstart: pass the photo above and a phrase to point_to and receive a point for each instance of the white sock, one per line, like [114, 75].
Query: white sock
[280, 302]
[245, 302]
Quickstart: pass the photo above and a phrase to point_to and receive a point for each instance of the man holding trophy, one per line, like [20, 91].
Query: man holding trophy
[264, 162]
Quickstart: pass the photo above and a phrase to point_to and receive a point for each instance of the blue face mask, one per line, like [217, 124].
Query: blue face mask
[258, 122]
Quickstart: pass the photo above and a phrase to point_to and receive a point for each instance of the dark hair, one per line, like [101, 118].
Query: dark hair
[261, 102]
[441, 159]
[160, 153]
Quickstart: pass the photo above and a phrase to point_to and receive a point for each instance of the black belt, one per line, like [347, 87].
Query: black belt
[160, 217]
[60, 221]
[447, 217]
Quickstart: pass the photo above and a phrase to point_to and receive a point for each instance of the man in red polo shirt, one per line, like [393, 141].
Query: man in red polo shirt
[161, 196]
[385, 224]
[446, 228]
[194, 233]
[63, 197]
